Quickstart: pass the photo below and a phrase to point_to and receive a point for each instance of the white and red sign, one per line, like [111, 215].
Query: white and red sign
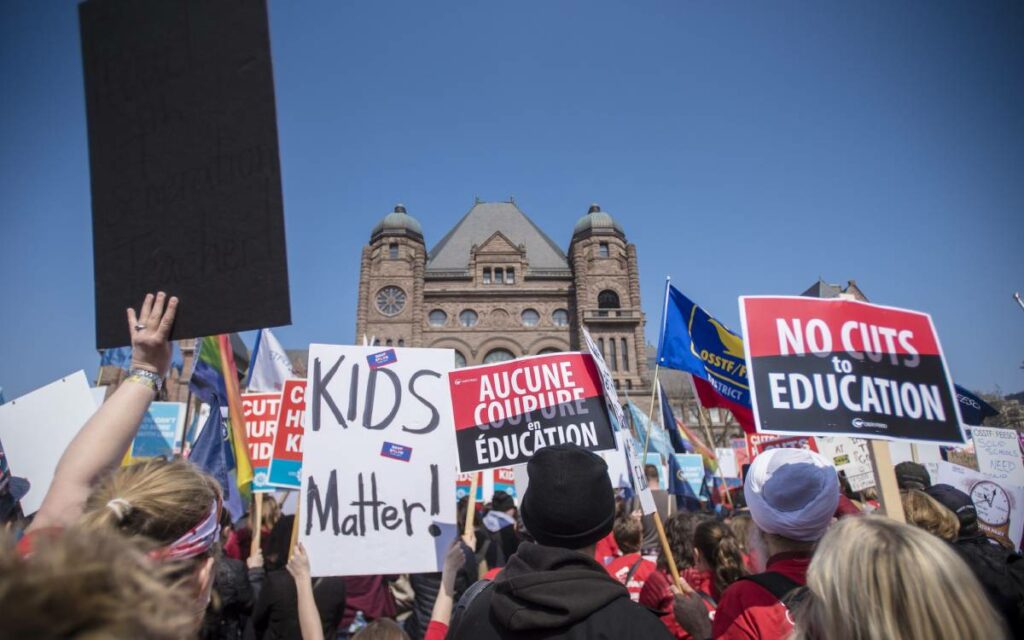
[842, 367]
[285, 465]
[260, 413]
[506, 412]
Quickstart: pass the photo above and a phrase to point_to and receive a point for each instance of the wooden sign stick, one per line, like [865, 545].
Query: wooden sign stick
[471, 507]
[885, 480]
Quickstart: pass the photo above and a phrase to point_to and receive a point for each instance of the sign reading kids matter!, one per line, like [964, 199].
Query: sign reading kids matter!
[842, 367]
[260, 412]
[378, 467]
[505, 412]
[286, 462]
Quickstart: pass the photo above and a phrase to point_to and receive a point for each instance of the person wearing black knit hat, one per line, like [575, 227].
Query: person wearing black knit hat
[555, 588]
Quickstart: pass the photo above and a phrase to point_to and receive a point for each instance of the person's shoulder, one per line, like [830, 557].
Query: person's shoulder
[745, 593]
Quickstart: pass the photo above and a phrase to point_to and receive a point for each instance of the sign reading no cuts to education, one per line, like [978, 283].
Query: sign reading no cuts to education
[378, 460]
[504, 413]
[841, 367]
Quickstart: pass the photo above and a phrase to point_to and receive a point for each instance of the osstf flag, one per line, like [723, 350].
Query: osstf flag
[505, 412]
[841, 367]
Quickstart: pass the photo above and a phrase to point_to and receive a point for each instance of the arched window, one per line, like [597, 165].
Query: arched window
[625, 355]
[547, 350]
[498, 355]
[460, 360]
[607, 299]
[613, 362]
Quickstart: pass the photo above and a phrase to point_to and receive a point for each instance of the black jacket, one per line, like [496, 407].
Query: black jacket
[276, 613]
[426, 586]
[227, 613]
[1001, 573]
[547, 592]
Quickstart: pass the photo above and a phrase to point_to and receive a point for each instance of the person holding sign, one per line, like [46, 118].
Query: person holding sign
[792, 495]
[555, 588]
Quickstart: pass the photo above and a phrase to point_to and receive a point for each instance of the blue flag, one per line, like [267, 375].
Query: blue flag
[693, 341]
[659, 440]
[668, 418]
[212, 454]
[686, 498]
[973, 409]
[118, 357]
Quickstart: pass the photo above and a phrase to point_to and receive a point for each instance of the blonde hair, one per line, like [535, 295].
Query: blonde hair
[271, 511]
[90, 585]
[872, 577]
[382, 629]
[155, 501]
[925, 512]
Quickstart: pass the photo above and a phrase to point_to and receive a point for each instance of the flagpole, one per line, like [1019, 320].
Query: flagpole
[702, 418]
[657, 366]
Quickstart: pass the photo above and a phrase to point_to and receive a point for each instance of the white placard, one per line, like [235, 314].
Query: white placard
[850, 455]
[727, 463]
[379, 458]
[998, 452]
[1000, 505]
[99, 394]
[37, 427]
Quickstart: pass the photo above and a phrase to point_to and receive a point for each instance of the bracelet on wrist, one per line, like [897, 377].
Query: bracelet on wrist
[146, 378]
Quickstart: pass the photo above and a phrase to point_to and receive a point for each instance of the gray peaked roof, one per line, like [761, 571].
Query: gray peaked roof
[482, 221]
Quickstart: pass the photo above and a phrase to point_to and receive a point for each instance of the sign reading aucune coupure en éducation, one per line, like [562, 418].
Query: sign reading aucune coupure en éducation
[505, 412]
[842, 367]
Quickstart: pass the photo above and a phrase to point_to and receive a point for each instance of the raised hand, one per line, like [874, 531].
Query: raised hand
[150, 330]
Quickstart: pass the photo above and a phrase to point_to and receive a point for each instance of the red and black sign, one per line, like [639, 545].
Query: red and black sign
[841, 367]
[505, 412]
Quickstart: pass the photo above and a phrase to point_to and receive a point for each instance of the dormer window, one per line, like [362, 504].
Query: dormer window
[499, 274]
[487, 275]
[510, 275]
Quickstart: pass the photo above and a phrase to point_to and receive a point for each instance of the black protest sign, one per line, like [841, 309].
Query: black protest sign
[505, 412]
[840, 367]
[183, 155]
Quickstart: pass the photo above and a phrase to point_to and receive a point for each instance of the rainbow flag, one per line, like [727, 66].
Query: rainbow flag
[215, 381]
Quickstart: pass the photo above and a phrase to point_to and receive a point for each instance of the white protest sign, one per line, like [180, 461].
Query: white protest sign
[851, 456]
[999, 455]
[1000, 505]
[727, 462]
[37, 427]
[618, 468]
[611, 397]
[378, 468]
[99, 394]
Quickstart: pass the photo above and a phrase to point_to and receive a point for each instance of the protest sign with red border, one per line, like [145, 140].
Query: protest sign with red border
[505, 412]
[842, 367]
[260, 412]
[285, 465]
[464, 484]
[794, 442]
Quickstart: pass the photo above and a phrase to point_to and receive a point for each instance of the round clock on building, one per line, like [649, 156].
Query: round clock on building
[992, 504]
[390, 300]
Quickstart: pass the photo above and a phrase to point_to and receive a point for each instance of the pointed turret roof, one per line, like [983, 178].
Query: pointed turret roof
[482, 222]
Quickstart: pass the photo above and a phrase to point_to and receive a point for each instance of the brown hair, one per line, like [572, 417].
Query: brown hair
[628, 534]
[91, 584]
[382, 629]
[679, 533]
[651, 472]
[155, 501]
[925, 512]
[717, 543]
[740, 525]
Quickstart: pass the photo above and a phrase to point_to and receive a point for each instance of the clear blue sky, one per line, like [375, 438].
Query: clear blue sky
[747, 148]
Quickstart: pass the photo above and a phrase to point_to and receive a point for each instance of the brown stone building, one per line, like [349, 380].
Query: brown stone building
[495, 287]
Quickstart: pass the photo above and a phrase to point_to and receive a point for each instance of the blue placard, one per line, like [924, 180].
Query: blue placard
[381, 359]
[691, 467]
[160, 431]
[396, 451]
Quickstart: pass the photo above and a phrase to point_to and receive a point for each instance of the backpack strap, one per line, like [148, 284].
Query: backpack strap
[465, 602]
[775, 583]
[632, 570]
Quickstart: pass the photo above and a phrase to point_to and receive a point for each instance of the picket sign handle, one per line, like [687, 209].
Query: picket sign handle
[257, 525]
[295, 533]
[681, 584]
[885, 480]
[650, 415]
[471, 510]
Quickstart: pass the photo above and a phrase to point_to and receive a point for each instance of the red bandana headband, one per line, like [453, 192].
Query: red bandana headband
[196, 540]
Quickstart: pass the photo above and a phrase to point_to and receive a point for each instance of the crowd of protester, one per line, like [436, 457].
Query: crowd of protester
[147, 551]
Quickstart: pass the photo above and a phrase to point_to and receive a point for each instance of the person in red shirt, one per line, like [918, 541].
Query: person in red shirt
[792, 495]
[630, 569]
[657, 594]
